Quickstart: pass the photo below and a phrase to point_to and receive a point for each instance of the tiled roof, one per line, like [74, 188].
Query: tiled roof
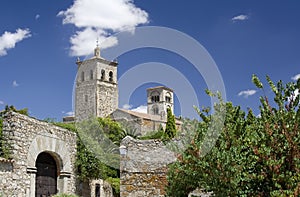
[160, 87]
[147, 116]
[143, 115]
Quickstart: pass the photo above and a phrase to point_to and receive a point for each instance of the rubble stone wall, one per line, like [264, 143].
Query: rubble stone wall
[27, 138]
[144, 168]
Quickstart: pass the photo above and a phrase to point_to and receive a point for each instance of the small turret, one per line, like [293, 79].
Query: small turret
[78, 61]
[97, 51]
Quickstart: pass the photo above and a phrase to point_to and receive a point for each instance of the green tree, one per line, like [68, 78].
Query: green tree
[170, 130]
[113, 130]
[253, 156]
[90, 155]
[115, 183]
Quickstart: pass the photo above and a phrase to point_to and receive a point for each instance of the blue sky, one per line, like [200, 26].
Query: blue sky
[40, 41]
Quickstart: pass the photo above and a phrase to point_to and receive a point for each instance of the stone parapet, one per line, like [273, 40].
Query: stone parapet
[27, 138]
[144, 167]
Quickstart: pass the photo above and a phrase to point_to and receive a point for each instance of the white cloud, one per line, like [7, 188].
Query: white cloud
[8, 40]
[70, 113]
[15, 84]
[296, 77]
[247, 93]
[97, 19]
[296, 93]
[37, 16]
[1, 102]
[83, 41]
[240, 17]
[141, 109]
[127, 106]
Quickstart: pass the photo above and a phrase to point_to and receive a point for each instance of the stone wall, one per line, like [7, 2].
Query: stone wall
[6, 169]
[106, 98]
[144, 167]
[28, 138]
[85, 97]
[88, 189]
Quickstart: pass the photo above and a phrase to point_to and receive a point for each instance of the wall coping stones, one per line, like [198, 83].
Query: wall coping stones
[146, 156]
[3, 160]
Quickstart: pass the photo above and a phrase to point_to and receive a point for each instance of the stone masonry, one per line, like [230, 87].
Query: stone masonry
[144, 168]
[28, 138]
[96, 92]
[159, 99]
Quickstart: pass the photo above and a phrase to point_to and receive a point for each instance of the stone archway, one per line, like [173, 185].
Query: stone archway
[46, 176]
[59, 152]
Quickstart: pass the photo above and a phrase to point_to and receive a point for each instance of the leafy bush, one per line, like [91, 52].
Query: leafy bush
[253, 155]
[112, 129]
[153, 135]
[12, 108]
[4, 146]
[68, 126]
[88, 165]
[115, 183]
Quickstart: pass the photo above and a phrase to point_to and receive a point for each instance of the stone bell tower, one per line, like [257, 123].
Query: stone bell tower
[159, 99]
[96, 91]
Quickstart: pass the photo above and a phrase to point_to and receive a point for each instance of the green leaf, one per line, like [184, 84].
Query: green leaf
[256, 81]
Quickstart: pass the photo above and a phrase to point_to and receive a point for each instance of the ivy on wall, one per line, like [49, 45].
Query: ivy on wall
[88, 165]
[4, 146]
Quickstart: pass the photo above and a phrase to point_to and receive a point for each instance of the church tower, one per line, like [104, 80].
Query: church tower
[159, 99]
[96, 92]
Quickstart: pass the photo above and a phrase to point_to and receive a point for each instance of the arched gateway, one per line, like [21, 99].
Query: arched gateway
[49, 166]
[46, 176]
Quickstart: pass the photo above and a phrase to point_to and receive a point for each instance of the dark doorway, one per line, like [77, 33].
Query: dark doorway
[46, 176]
[97, 190]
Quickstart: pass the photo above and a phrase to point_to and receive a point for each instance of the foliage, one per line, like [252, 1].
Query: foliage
[153, 135]
[115, 183]
[127, 129]
[87, 163]
[3, 149]
[68, 126]
[97, 141]
[89, 166]
[112, 129]
[253, 156]
[1, 125]
[50, 120]
[170, 130]
[12, 108]
[4, 145]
